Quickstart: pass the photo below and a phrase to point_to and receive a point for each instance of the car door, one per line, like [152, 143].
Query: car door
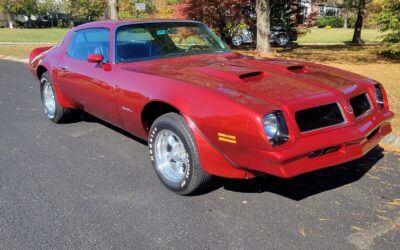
[90, 85]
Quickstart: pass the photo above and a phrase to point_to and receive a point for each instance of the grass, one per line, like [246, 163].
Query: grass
[32, 35]
[336, 35]
[362, 60]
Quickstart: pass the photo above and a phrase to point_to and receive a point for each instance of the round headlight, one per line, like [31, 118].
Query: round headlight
[271, 125]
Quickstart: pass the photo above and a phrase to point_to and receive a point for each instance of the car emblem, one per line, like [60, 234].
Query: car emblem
[349, 109]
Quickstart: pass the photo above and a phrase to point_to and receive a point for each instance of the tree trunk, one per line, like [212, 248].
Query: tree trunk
[359, 23]
[30, 25]
[346, 14]
[346, 19]
[263, 26]
[113, 6]
[10, 23]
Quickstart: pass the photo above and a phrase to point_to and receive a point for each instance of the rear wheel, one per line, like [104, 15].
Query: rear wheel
[174, 155]
[51, 107]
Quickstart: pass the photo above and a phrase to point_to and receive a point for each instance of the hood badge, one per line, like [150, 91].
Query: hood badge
[126, 109]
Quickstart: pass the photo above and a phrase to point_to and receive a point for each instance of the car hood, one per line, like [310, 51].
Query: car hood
[276, 81]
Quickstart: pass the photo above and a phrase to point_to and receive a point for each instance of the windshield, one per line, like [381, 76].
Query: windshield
[137, 42]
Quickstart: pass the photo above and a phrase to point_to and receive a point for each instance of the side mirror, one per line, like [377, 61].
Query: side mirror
[95, 58]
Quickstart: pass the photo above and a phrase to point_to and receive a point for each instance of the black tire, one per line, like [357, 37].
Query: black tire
[60, 114]
[194, 178]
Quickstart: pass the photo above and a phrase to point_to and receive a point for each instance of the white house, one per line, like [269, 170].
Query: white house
[322, 8]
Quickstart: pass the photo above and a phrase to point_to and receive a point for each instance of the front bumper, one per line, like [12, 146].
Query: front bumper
[349, 143]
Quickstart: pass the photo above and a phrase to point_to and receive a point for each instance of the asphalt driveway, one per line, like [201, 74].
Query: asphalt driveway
[88, 185]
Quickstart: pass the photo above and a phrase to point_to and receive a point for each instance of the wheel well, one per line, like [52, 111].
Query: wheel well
[40, 70]
[153, 110]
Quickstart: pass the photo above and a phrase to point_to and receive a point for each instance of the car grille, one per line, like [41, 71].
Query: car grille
[360, 105]
[319, 117]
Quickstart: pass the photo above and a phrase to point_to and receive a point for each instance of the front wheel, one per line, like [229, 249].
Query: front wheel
[174, 155]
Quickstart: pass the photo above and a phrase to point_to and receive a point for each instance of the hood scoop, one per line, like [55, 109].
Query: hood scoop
[252, 76]
[238, 75]
[298, 69]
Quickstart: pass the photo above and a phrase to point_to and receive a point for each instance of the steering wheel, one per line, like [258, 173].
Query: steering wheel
[190, 48]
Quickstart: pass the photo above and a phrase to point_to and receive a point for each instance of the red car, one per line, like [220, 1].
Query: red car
[206, 110]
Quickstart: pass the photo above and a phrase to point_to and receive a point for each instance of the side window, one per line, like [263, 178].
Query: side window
[90, 41]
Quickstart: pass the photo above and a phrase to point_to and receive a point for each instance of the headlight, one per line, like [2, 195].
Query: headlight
[275, 128]
[379, 96]
[271, 125]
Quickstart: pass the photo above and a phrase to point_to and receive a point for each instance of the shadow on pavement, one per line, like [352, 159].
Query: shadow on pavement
[81, 116]
[303, 186]
[296, 188]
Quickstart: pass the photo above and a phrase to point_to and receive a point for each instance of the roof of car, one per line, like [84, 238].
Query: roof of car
[115, 23]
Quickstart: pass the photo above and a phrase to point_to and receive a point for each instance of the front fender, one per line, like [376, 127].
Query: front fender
[222, 120]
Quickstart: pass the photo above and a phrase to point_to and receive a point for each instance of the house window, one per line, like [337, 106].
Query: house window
[329, 11]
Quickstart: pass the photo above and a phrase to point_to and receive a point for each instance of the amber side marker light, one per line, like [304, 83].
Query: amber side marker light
[227, 138]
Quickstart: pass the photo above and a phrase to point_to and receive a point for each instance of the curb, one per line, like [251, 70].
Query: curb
[15, 59]
[25, 43]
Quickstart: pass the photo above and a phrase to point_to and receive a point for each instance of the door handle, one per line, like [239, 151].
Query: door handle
[63, 67]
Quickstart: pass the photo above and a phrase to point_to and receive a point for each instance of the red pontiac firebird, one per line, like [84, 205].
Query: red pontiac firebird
[206, 110]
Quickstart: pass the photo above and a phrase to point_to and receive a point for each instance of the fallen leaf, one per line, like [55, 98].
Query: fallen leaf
[301, 231]
[373, 177]
[395, 202]
[356, 228]
[385, 183]
[382, 217]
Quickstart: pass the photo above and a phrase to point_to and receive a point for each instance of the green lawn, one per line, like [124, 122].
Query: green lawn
[338, 36]
[32, 35]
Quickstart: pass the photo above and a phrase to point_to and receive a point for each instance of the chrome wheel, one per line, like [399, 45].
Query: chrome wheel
[171, 158]
[282, 40]
[237, 40]
[48, 99]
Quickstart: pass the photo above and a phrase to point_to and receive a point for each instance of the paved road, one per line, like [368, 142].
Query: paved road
[87, 185]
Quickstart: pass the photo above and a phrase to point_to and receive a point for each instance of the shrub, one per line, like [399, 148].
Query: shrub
[334, 22]
[302, 30]
[390, 50]
[3, 24]
[389, 20]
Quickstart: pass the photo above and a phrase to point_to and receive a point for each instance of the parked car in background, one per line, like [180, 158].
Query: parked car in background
[279, 36]
[206, 110]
